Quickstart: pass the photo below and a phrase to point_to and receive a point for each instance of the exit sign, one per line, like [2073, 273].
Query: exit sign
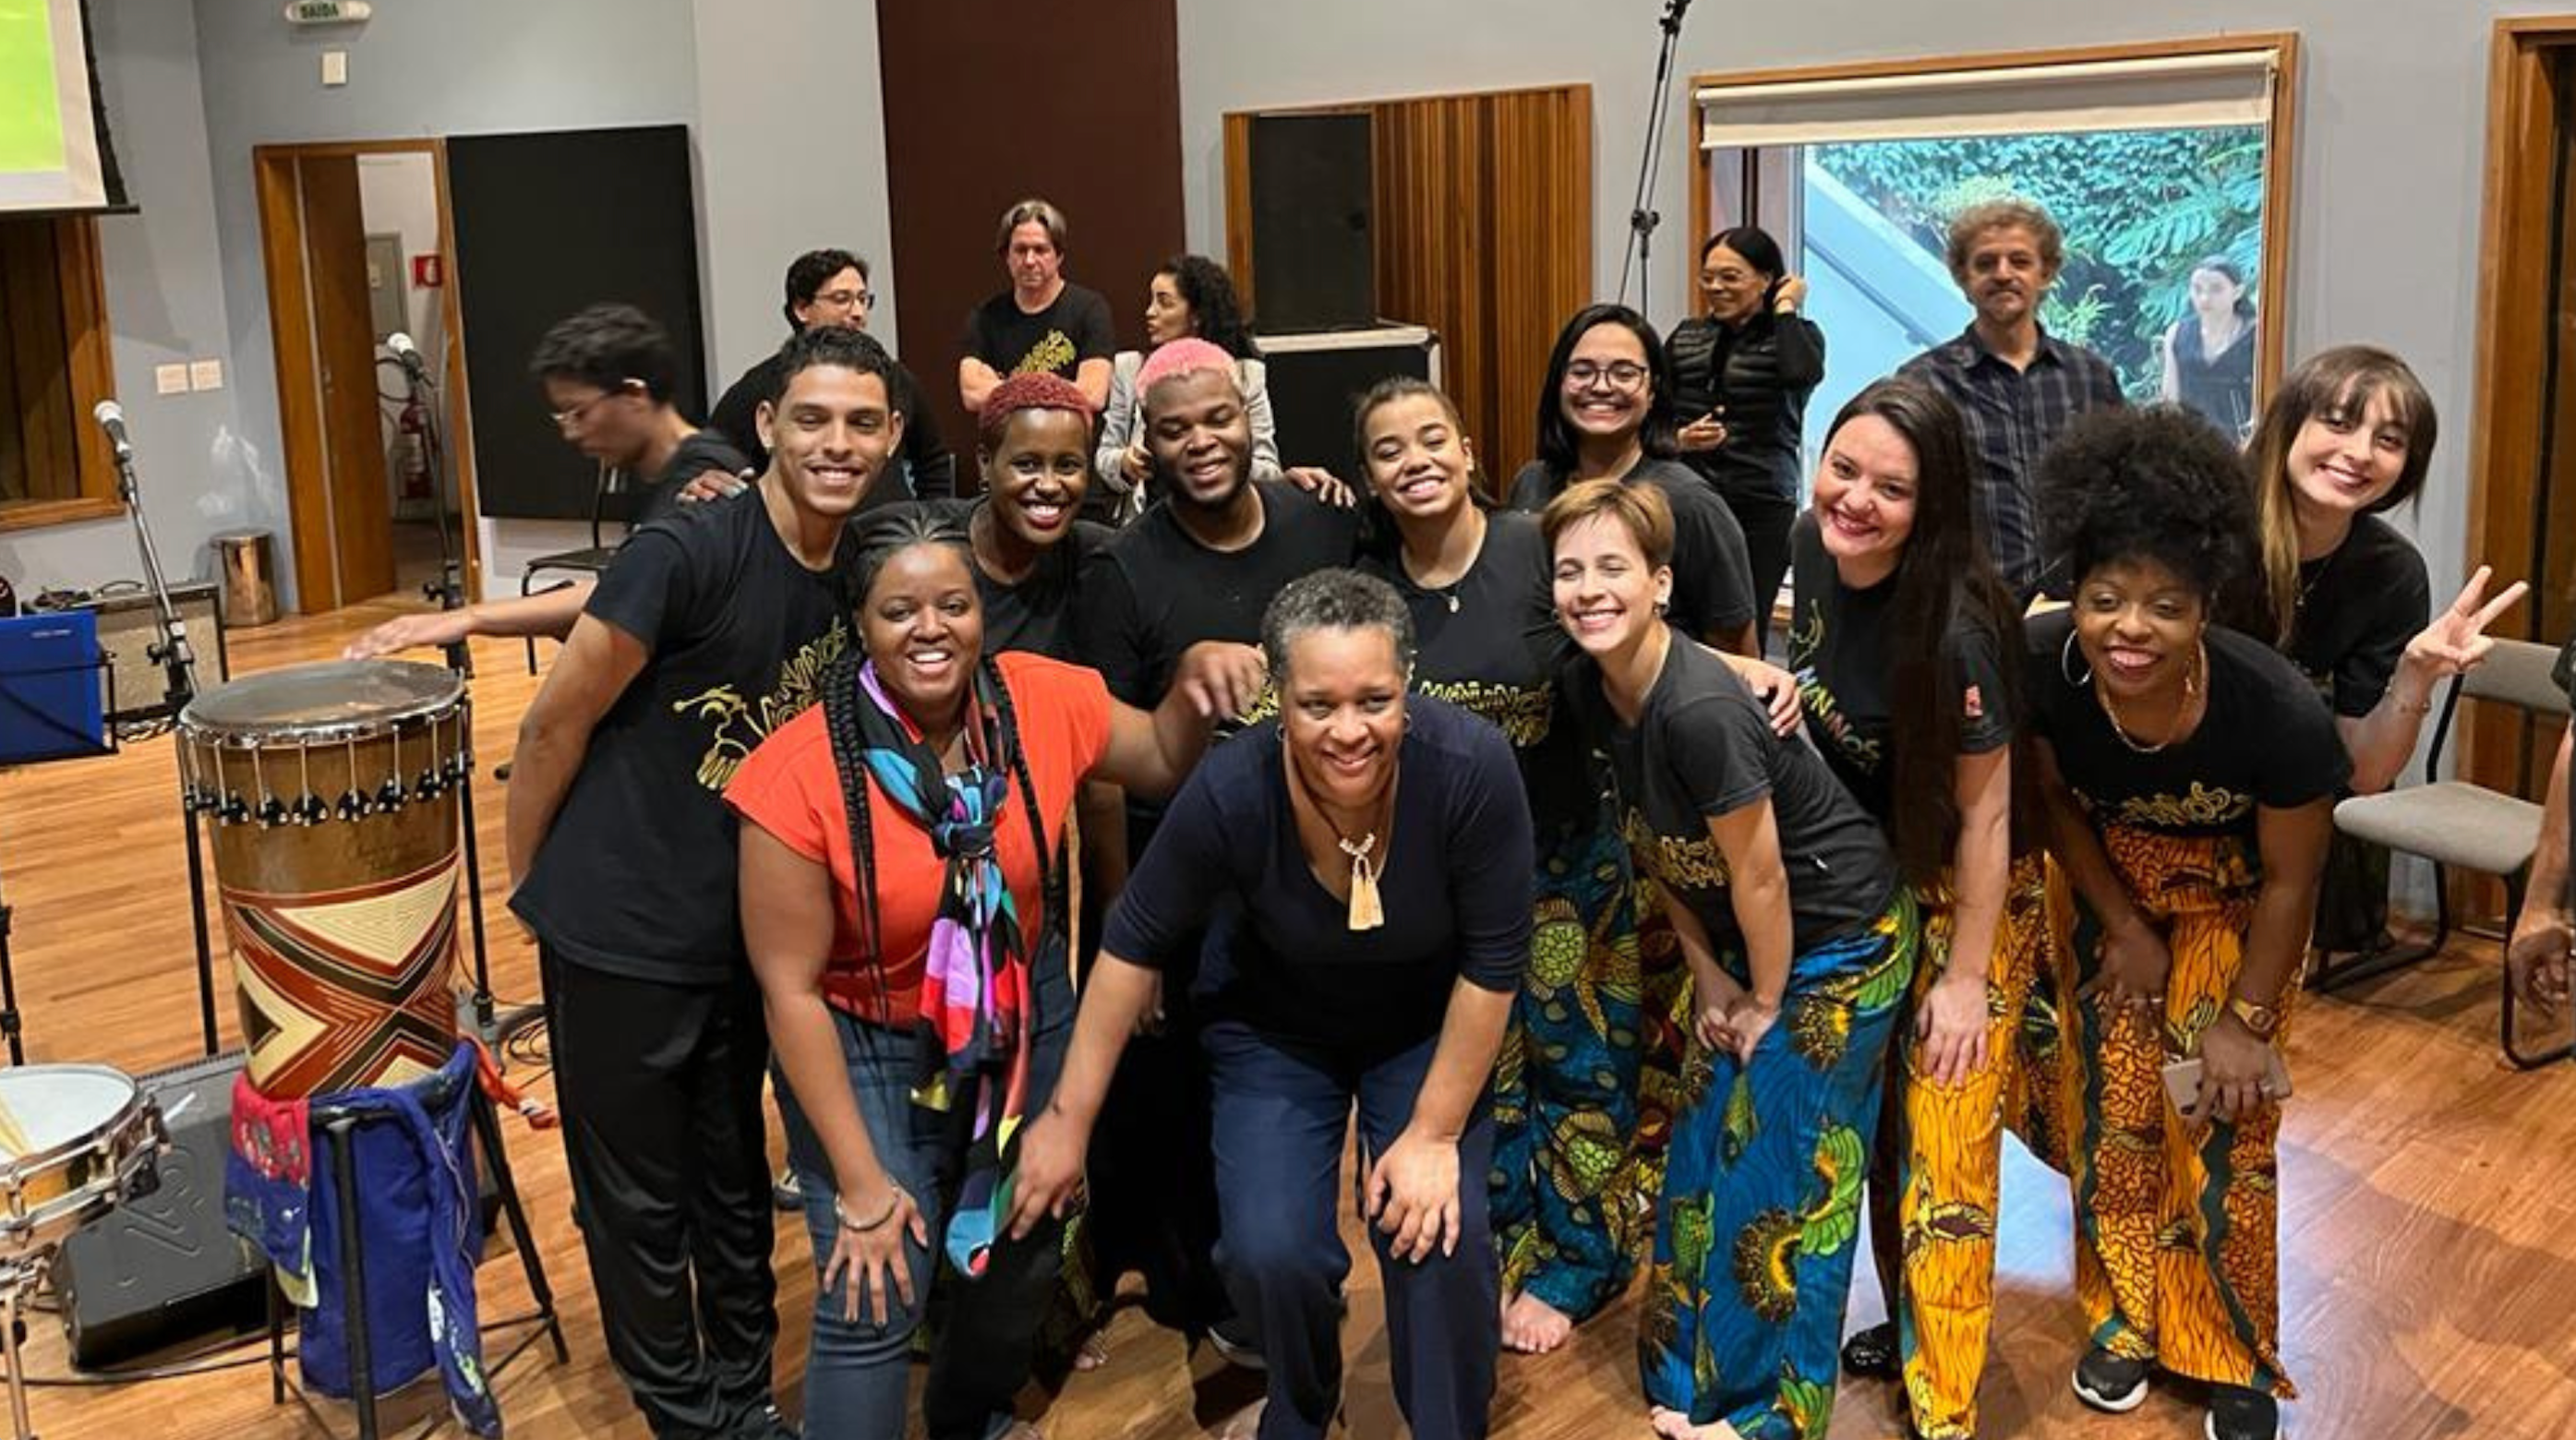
[327, 12]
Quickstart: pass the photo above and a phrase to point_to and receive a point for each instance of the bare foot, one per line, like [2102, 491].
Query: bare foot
[1093, 1352]
[1243, 1424]
[1674, 1425]
[1534, 1327]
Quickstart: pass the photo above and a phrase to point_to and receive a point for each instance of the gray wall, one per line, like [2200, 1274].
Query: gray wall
[2392, 120]
[166, 303]
[455, 67]
[791, 141]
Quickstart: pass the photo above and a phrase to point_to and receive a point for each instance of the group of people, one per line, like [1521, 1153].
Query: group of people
[1472, 809]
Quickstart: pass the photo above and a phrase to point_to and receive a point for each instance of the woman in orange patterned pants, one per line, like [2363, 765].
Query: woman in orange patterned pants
[2188, 772]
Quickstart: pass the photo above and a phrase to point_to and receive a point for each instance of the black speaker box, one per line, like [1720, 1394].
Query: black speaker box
[162, 1270]
[1314, 380]
[1313, 260]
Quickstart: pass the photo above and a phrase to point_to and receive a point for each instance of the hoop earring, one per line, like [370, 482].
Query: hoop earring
[2066, 663]
[2199, 664]
[1663, 608]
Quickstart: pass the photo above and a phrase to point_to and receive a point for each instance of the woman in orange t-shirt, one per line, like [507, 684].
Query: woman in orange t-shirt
[895, 863]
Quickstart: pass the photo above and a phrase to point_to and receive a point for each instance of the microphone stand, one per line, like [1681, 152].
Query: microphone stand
[1642, 219]
[179, 667]
[449, 591]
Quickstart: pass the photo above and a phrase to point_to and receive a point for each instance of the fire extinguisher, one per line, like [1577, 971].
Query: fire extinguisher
[413, 425]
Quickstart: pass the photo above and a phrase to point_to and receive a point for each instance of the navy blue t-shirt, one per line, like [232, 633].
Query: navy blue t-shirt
[1284, 960]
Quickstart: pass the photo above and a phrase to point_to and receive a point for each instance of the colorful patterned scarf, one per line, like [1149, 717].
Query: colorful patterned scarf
[974, 1017]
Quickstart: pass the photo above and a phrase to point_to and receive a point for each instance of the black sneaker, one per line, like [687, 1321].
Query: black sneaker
[1236, 1349]
[2236, 1413]
[1872, 1352]
[2112, 1383]
[785, 1196]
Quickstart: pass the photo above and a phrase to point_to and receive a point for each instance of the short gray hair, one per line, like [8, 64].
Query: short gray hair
[1334, 600]
[1995, 214]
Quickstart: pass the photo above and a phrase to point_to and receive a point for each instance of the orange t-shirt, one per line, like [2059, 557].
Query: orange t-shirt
[791, 788]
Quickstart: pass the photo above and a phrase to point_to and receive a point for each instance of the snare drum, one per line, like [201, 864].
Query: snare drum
[333, 793]
[74, 1140]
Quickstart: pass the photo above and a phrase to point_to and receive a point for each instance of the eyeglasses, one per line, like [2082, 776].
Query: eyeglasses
[578, 414]
[847, 299]
[1621, 375]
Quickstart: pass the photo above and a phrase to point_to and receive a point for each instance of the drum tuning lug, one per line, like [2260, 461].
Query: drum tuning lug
[389, 796]
[272, 811]
[429, 786]
[353, 805]
[311, 809]
[234, 808]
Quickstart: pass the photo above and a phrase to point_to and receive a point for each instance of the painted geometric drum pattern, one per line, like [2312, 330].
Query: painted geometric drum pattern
[346, 988]
[333, 789]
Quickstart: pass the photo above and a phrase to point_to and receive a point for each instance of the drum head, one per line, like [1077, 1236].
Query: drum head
[46, 1107]
[332, 701]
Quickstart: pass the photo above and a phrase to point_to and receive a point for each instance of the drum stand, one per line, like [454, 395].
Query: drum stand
[341, 1123]
[449, 591]
[19, 1278]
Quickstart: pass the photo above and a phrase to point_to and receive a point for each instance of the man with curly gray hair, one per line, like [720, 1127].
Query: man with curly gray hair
[2018, 386]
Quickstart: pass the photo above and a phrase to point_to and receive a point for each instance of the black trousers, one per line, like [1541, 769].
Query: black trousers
[1766, 520]
[660, 1090]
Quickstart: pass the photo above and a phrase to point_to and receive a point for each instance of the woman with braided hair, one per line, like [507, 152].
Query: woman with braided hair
[893, 876]
[2189, 773]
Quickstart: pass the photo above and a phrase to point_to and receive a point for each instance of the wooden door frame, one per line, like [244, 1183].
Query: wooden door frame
[2509, 406]
[290, 327]
[2272, 336]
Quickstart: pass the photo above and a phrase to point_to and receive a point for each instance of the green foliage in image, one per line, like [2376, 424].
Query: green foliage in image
[2139, 209]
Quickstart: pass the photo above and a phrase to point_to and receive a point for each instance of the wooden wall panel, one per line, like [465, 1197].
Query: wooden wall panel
[963, 142]
[1483, 232]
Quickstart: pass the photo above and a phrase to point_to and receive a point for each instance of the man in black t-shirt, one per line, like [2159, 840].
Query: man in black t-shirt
[607, 374]
[1043, 322]
[1201, 566]
[830, 287]
[713, 627]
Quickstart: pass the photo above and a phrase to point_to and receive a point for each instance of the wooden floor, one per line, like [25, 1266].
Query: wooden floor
[2428, 1225]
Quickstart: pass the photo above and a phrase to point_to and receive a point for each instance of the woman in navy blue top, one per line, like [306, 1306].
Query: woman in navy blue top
[1325, 987]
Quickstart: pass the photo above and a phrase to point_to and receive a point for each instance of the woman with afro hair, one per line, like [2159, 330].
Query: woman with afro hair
[2188, 773]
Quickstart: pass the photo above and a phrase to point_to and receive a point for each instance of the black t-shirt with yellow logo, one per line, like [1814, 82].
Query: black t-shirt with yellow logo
[1074, 327]
[1842, 649]
[1703, 747]
[636, 876]
[2266, 740]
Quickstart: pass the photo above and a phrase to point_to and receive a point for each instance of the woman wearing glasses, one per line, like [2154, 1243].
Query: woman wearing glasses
[1606, 413]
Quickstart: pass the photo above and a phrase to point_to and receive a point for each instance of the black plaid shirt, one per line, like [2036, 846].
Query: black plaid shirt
[2013, 416]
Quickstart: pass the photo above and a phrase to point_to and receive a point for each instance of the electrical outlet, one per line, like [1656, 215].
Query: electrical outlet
[335, 67]
[205, 374]
[170, 379]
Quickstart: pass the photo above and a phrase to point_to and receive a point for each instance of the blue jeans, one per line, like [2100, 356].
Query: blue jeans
[855, 1371]
[1280, 1110]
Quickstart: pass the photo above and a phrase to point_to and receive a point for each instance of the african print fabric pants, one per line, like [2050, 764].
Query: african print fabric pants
[2176, 1251]
[2035, 1102]
[1571, 1197]
[1761, 1204]
[1937, 1170]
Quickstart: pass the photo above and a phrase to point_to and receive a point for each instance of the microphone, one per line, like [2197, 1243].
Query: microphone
[111, 418]
[409, 355]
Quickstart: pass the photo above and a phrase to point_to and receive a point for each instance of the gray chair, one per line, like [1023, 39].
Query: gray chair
[2457, 825]
[607, 489]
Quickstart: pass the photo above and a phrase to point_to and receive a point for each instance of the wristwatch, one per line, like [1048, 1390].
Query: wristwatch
[2263, 1020]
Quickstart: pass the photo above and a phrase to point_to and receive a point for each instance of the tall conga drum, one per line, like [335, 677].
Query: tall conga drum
[333, 791]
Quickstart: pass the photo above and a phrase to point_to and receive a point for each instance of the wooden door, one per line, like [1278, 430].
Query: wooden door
[335, 255]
